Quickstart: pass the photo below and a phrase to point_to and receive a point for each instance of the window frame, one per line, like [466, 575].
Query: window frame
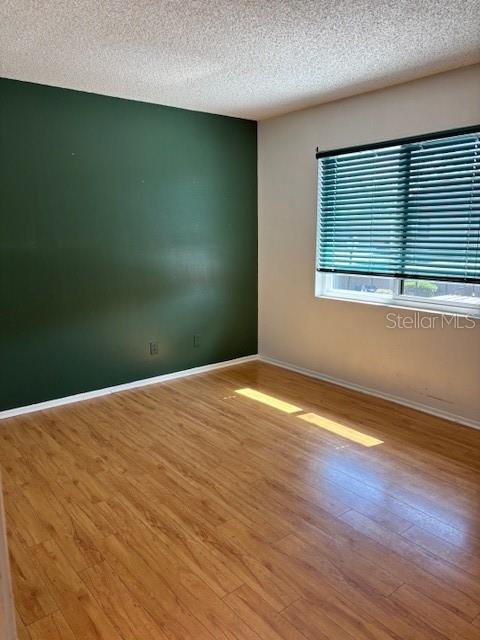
[325, 290]
[324, 279]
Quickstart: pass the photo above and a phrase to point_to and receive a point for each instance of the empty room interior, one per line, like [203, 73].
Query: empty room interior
[240, 320]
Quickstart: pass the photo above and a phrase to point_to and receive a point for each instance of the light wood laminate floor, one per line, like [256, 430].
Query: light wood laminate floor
[200, 510]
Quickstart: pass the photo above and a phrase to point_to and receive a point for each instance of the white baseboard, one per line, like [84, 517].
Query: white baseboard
[88, 395]
[467, 422]
[41, 406]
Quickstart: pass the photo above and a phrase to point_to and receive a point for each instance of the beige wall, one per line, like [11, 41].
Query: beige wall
[350, 341]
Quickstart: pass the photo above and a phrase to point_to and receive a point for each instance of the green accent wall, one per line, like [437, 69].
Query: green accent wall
[121, 224]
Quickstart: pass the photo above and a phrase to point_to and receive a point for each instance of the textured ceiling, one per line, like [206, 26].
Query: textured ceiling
[245, 58]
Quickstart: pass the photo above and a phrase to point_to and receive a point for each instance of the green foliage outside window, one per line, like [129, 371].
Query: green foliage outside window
[423, 288]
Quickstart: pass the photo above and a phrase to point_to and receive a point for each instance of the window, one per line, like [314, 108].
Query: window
[399, 222]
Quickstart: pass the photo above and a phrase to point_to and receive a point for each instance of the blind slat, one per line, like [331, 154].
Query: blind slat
[405, 210]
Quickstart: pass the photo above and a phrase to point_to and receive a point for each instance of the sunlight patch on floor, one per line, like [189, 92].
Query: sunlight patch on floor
[271, 401]
[312, 418]
[340, 430]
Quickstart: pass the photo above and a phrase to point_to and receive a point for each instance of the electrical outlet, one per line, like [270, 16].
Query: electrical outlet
[196, 340]
[154, 348]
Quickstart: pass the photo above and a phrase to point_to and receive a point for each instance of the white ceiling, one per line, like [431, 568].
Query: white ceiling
[247, 58]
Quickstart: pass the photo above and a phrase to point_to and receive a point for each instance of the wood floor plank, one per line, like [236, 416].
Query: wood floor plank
[191, 551]
[189, 511]
[22, 631]
[463, 594]
[81, 611]
[330, 558]
[33, 598]
[391, 560]
[332, 615]
[464, 560]
[313, 626]
[68, 531]
[152, 590]
[319, 586]
[249, 571]
[200, 524]
[53, 627]
[126, 614]
[444, 621]
[23, 521]
[257, 613]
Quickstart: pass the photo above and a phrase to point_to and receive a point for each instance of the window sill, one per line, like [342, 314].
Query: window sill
[414, 306]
